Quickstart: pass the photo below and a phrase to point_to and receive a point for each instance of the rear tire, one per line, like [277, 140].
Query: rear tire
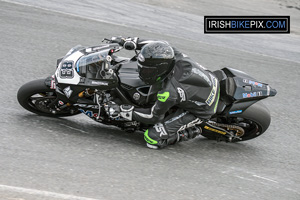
[260, 116]
[255, 120]
[32, 95]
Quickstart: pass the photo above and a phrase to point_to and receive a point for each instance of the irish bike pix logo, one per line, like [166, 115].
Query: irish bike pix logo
[247, 24]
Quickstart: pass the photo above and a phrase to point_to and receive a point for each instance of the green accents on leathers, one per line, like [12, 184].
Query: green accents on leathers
[148, 139]
[218, 97]
[163, 97]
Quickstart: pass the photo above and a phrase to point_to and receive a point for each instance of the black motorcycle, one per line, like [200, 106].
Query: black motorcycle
[86, 79]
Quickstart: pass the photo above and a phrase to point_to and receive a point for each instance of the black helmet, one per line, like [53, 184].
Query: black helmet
[155, 61]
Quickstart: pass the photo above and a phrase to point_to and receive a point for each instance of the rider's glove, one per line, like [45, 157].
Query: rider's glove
[126, 112]
[130, 43]
[120, 40]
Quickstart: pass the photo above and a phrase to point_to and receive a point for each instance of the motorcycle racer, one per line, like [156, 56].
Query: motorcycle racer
[185, 84]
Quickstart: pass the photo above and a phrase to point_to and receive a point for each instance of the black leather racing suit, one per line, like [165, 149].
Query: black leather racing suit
[191, 88]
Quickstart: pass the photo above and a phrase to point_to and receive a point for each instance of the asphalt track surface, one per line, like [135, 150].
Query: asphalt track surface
[76, 158]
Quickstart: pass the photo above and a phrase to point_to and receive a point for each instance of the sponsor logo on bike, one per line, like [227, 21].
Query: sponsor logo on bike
[89, 113]
[215, 130]
[53, 84]
[235, 112]
[254, 83]
[252, 94]
[99, 83]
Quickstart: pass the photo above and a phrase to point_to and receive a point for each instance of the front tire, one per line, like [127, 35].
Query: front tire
[34, 96]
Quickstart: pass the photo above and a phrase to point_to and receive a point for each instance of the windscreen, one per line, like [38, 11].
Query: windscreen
[92, 64]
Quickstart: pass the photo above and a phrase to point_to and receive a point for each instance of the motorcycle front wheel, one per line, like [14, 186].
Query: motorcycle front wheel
[35, 96]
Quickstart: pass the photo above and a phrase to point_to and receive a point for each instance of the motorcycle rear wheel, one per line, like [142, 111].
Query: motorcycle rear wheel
[34, 96]
[255, 121]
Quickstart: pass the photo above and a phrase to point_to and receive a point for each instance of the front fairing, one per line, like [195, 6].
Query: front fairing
[65, 72]
[83, 68]
[71, 67]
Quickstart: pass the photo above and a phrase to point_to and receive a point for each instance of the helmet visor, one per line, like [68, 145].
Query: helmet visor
[147, 72]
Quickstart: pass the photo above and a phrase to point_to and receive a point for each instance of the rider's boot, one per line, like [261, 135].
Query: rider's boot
[154, 142]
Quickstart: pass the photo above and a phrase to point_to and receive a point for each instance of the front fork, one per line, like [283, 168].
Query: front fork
[59, 103]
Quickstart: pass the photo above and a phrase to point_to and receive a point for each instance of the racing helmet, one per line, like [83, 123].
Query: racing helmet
[155, 61]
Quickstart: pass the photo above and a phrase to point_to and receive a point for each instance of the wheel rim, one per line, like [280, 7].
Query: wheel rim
[251, 128]
[40, 102]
